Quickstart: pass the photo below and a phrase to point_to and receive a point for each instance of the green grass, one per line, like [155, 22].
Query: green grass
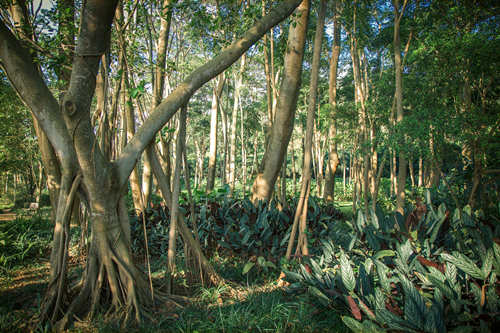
[260, 311]
[23, 240]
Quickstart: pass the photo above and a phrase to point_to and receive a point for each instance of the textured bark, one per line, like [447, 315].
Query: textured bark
[287, 101]
[420, 172]
[362, 166]
[267, 71]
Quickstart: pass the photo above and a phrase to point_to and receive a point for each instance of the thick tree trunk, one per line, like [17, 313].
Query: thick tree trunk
[109, 265]
[283, 124]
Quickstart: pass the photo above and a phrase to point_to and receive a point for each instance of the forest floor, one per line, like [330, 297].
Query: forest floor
[260, 306]
[254, 302]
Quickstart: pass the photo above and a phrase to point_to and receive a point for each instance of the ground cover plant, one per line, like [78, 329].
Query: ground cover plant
[439, 275]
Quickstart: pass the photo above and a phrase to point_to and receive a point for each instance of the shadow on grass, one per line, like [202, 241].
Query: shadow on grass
[263, 311]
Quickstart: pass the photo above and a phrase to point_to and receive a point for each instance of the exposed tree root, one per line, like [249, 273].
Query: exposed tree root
[57, 289]
[111, 278]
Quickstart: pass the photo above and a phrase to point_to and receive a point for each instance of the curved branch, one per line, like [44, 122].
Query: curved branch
[163, 112]
[26, 79]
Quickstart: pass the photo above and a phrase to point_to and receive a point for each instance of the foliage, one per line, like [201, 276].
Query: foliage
[23, 239]
[236, 226]
[442, 275]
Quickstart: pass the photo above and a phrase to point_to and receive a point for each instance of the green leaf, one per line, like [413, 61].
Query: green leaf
[248, 266]
[415, 307]
[465, 264]
[384, 253]
[261, 261]
[353, 324]
[292, 276]
[382, 275]
[446, 290]
[464, 329]
[347, 274]
[360, 221]
[269, 264]
[246, 237]
[394, 322]
[323, 299]
[487, 263]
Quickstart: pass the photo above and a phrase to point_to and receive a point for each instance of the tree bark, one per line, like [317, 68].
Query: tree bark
[333, 157]
[301, 212]
[212, 157]
[400, 193]
[109, 263]
[281, 130]
[234, 117]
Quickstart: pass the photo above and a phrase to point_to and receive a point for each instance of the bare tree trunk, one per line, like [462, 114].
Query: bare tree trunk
[301, 212]
[174, 208]
[225, 141]
[412, 173]
[333, 157]
[283, 124]
[393, 173]
[232, 154]
[243, 151]
[212, 159]
[420, 172]
[400, 194]
[267, 71]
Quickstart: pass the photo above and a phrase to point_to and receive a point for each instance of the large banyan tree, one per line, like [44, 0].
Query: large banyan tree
[88, 173]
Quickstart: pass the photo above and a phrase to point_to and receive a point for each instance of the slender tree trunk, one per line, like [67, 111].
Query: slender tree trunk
[400, 193]
[232, 154]
[301, 212]
[283, 124]
[412, 173]
[333, 157]
[420, 172]
[174, 211]
[267, 71]
[224, 162]
[393, 173]
[212, 159]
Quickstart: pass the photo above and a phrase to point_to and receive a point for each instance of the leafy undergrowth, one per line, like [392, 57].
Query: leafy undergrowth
[235, 227]
[252, 299]
[440, 276]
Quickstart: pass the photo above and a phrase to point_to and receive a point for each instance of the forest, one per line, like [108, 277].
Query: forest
[249, 165]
